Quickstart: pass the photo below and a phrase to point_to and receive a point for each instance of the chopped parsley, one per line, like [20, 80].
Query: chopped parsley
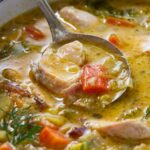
[131, 113]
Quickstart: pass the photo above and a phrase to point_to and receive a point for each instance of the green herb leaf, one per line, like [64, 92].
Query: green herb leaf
[131, 113]
[147, 113]
[5, 51]
[13, 47]
[19, 125]
[104, 8]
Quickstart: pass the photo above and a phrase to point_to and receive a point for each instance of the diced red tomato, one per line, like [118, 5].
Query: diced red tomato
[6, 146]
[115, 40]
[51, 138]
[120, 22]
[94, 79]
[34, 32]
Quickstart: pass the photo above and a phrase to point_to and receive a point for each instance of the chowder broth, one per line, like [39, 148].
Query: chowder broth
[83, 119]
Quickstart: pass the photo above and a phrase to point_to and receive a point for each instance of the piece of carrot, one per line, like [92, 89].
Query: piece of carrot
[51, 138]
[115, 40]
[34, 33]
[6, 146]
[120, 22]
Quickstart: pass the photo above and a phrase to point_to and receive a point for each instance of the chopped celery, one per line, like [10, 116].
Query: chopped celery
[77, 146]
[80, 146]
[55, 119]
[69, 113]
[53, 111]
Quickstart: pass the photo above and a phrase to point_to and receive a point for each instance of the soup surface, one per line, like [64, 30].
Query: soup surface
[60, 97]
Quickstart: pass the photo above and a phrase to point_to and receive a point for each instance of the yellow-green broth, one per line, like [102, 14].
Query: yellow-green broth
[136, 41]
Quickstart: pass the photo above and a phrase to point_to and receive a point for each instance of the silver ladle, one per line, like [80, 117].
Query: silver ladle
[61, 35]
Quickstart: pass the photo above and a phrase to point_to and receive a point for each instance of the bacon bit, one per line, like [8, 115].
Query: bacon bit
[34, 33]
[115, 40]
[120, 22]
[12, 87]
[76, 132]
[41, 103]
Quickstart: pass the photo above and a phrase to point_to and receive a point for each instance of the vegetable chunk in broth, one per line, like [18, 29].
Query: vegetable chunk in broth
[60, 98]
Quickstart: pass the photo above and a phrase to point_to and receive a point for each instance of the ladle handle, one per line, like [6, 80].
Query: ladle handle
[57, 29]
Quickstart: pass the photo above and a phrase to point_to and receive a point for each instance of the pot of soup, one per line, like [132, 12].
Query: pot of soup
[60, 97]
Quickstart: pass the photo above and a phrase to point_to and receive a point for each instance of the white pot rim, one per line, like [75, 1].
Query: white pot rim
[12, 8]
